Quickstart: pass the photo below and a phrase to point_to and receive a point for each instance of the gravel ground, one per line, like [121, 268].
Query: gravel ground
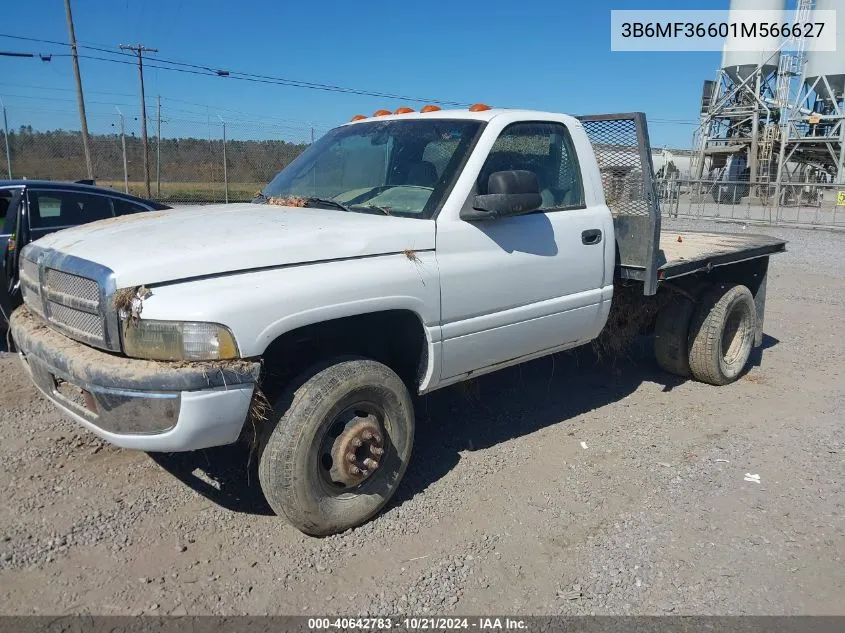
[502, 509]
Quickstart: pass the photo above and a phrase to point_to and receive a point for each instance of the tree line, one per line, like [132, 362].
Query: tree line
[58, 155]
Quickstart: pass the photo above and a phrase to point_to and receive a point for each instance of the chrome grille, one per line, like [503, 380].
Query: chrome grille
[29, 273]
[32, 299]
[72, 285]
[31, 286]
[82, 325]
[73, 300]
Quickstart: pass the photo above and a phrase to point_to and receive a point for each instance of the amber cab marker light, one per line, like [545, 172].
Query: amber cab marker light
[358, 117]
[430, 108]
[382, 112]
[479, 107]
[403, 110]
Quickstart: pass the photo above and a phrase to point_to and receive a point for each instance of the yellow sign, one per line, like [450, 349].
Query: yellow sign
[840, 199]
[814, 119]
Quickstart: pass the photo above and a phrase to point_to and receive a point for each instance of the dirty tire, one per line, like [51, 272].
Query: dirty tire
[290, 451]
[722, 334]
[671, 336]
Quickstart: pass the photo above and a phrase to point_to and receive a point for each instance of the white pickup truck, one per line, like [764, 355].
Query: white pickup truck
[398, 254]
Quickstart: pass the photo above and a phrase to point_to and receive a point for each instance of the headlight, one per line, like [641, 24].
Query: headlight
[178, 340]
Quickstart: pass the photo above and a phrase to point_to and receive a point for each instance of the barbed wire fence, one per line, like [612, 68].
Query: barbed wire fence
[191, 160]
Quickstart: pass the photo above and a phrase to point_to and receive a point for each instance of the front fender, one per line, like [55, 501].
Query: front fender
[260, 306]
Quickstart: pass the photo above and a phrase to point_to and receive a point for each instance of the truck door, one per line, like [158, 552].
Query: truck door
[12, 239]
[517, 286]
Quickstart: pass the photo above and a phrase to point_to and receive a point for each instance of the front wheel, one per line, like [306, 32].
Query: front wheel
[337, 445]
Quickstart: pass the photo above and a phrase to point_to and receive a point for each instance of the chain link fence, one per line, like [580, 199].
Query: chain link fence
[793, 203]
[218, 160]
[190, 161]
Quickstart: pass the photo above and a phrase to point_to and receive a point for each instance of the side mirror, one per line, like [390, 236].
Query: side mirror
[509, 193]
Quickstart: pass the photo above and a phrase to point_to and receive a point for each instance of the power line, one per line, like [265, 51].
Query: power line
[285, 82]
[59, 89]
[109, 114]
[199, 69]
[234, 122]
[37, 98]
[42, 56]
[196, 69]
[249, 114]
[99, 47]
[244, 117]
[672, 122]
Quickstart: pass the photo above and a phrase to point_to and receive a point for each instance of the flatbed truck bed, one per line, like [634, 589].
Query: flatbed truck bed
[683, 253]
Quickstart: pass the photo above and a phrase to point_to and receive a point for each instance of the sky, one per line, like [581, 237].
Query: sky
[539, 54]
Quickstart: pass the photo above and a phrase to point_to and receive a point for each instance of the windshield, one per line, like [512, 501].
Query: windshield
[394, 167]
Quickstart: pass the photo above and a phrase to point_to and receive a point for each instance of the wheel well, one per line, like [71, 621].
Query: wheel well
[393, 337]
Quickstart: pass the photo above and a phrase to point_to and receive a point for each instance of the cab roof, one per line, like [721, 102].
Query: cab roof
[461, 113]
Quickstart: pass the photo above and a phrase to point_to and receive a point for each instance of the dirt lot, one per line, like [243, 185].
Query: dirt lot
[503, 510]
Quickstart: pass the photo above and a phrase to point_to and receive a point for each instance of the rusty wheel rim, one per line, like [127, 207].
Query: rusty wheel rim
[353, 448]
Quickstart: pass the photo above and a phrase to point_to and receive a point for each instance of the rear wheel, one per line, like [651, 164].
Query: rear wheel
[337, 445]
[671, 335]
[722, 334]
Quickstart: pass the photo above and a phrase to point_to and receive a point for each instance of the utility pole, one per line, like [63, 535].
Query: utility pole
[6, 136]
[139, 50]
[225, 167]
[80, 100]
[123, 146]
[158, 150]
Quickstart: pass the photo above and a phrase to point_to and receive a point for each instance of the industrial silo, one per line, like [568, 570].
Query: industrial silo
[826, 69]
[738, 64]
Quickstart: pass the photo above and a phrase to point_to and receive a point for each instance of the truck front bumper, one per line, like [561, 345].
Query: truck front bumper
[138, 404]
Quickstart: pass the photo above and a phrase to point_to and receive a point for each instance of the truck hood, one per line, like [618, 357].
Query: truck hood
[159, 246]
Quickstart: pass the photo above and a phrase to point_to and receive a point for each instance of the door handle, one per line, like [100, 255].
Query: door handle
[591, 237]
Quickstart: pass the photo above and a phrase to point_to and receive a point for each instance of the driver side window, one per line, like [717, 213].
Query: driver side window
[545, 149]
[353, 164]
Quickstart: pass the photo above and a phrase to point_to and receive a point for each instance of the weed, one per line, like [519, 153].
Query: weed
[289, 201]
[130, 302]
[630, 313]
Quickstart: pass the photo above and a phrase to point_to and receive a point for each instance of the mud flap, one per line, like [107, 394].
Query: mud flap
[760, 304]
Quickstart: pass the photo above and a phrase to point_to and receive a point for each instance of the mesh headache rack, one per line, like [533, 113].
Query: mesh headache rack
[623, 152]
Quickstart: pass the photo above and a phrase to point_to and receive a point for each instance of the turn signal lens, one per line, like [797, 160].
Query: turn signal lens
[479, 107]
[430, 108]
[382, 112]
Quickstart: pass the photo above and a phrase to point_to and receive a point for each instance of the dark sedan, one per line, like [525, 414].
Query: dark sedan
[31, 209]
